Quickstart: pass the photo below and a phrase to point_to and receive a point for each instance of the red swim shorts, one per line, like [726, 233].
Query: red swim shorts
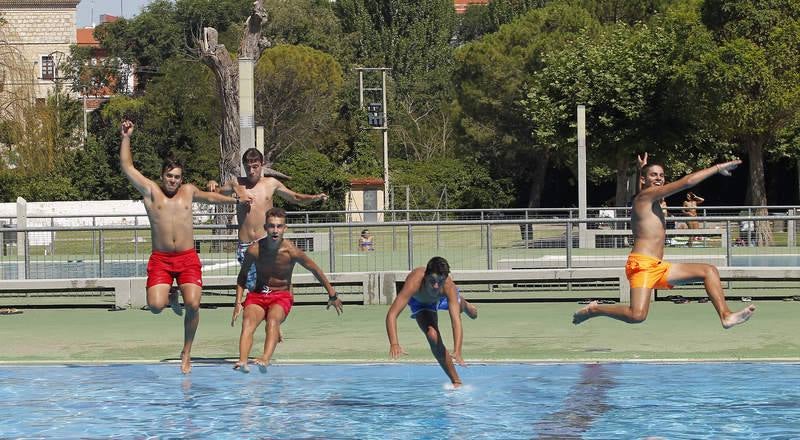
[646, 271]
[164, 267]
[282, 298]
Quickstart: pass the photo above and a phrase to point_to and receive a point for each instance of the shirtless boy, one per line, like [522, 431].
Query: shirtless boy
[258, 191]
[169, 208]
[427, 290]
[271, 300]
[646, 270]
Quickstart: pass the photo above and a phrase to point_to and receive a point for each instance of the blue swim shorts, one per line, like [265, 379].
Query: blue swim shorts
[417, 306]
[241, 250]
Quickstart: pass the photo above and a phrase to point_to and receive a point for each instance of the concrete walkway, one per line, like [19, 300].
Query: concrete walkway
[513, 332]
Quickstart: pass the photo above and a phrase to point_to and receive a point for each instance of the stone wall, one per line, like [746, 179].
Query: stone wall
[41, 28]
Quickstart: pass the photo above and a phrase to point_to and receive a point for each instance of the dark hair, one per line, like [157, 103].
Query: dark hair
[275, 212]
[364, 231]
[647, 167]
[439, 266]
[252, 154]
[170, 163]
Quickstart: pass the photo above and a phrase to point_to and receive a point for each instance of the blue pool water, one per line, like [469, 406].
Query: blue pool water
[507, 401]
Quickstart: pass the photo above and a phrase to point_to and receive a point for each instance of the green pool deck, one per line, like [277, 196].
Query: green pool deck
[529, 332]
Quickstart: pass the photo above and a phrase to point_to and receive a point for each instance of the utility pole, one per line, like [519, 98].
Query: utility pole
[582, 238]
[377, 116]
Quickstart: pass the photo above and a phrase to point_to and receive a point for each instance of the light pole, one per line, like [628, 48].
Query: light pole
[377, 118]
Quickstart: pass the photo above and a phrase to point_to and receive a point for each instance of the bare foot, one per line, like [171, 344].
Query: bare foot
[186, 363]
[457, 385]
[584, 313]
[174, 302]
[739, 317]
[262, 365]
[242, 367]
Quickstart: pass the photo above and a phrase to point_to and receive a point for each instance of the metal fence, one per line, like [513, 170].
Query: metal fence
[469, 239]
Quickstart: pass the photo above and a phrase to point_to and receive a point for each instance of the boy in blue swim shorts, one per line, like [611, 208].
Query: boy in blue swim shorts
[427, 290]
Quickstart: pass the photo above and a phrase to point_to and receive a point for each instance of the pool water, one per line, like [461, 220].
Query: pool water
[403, 401]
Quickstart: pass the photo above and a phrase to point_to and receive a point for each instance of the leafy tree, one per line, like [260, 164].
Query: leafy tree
[622, 76]
[489, 78]
[467, 184]
[748, 87]
[89, 169]
[311, 23]
[314, 173]
[296, 96]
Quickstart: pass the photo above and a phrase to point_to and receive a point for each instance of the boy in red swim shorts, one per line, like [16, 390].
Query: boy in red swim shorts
[271, 299]
[169, 209]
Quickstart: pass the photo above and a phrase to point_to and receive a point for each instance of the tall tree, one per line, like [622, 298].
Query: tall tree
[489, 79]
[297, 91]
[749, 85]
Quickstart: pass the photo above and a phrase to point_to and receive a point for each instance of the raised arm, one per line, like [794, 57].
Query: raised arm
[333, 299]
[454, 307]
[140, 182]
[297, 198]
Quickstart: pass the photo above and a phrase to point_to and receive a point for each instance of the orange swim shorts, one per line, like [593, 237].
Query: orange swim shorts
[646, 271]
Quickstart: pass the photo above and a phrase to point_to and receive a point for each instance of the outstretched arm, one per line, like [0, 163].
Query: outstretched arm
[139, 181]
[308, 263]
[212, 197]
[297, 198]
[231, 188]
[690, 180]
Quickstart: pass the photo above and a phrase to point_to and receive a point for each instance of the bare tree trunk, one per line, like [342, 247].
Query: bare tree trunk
[226, 71]
[755, 152]
[537, 180]
[623, 192]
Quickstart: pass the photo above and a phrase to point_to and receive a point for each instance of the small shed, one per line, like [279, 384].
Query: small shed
[366, 194]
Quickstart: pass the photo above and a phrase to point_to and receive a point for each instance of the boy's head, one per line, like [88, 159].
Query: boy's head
[171, 176]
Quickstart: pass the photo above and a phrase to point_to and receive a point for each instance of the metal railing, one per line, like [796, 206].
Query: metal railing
[490, 242]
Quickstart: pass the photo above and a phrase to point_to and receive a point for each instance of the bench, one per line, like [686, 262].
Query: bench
[597, 238]
[121, 287]
[392, 282]
[305, 241]
[382, 287]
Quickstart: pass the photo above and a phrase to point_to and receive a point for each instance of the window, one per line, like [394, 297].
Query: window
[48, 67]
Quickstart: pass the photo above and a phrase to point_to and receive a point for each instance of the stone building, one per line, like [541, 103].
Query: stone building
[42, 31]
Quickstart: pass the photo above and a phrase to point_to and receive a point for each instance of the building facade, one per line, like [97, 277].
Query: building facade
[42, 31]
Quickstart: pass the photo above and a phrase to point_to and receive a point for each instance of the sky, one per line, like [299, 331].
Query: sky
[129, 8]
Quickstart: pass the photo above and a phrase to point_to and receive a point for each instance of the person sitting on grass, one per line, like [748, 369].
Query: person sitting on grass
[271, 300]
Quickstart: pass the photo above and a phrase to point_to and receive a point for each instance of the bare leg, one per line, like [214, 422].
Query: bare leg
[681, 273]
[275, 317]
[633, 313]
[174, 303]
[428, 323]
[252, 317]
[191, 300]
[468, 309]
[158, 297]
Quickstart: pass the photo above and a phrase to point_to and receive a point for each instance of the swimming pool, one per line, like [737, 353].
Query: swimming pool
[404, 401]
